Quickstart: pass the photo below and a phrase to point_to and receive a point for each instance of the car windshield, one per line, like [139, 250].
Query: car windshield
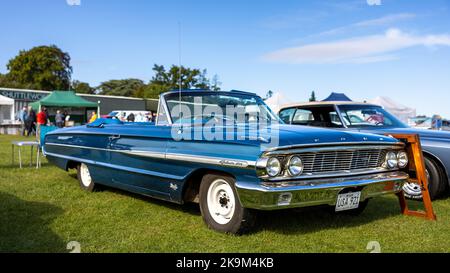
[368, 116]
[204, 107]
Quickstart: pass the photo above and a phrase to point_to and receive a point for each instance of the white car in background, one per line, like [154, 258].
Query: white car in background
[139, 116]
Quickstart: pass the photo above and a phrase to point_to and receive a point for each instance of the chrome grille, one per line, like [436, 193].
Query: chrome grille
[334, 161]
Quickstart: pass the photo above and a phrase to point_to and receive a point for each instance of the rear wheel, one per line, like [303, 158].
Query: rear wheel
[85, 179]
[220, 206]
[436, 182]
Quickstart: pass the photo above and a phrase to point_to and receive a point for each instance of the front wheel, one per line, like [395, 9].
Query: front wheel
[220, 206]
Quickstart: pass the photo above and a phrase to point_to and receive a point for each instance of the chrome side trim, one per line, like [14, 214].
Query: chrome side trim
[142, 153]
[75, 146]
[114, 166]
[211, 160]
[227, 162]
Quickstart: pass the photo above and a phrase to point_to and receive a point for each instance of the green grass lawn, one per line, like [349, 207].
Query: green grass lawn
[43, 210]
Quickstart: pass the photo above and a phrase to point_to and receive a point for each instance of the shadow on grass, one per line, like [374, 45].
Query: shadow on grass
[24, 226]
[292, 221]
[191, 208]
[308, 220]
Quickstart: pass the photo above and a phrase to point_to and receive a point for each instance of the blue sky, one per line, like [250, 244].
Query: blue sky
[395, 48]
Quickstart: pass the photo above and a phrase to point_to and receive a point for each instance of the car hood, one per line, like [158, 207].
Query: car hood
[424, 134]
[288, 135]
[274, 136]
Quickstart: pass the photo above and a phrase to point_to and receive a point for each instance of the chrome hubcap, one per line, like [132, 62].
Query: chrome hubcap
[414, 190]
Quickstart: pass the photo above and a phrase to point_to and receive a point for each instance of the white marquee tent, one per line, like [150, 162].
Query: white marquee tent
[276, 101]
[400, 111]
[6, 109]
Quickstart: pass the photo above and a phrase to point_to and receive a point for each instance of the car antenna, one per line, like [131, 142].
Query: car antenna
[180, 80]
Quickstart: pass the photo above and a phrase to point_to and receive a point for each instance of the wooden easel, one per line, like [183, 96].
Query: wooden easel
[417, 165]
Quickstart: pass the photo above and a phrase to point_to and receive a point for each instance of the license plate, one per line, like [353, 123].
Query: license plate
[348, 201]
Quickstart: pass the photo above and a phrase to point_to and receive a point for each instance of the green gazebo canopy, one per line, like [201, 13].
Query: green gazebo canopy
[63, 99]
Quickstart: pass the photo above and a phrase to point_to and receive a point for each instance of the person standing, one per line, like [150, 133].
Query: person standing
[23, 118]
[131, 117]
[59, 119]
[30, 121]
[93, 117]
[42, 120]
[66, 118]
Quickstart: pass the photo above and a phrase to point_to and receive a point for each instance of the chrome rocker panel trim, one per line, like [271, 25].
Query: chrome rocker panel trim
[227, 162]
[266, 195]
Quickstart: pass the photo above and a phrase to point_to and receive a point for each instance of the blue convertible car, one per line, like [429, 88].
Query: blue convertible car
[228, 152]
[369, 118]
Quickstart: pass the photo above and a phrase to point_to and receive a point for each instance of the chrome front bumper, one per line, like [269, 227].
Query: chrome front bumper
[306, 193]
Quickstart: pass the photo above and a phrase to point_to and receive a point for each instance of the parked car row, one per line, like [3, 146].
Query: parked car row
[369, 118]
[229, 152]
[131, 116]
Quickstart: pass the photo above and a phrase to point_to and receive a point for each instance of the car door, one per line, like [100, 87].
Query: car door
[137, 158]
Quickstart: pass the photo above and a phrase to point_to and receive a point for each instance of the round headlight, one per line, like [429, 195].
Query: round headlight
[402, 158]
[295, 166]
[391, 160]
[273, 167]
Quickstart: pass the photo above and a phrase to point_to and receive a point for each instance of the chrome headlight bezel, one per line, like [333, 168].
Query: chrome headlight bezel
[402, 159]
[391, 160]
[298, 164]
[273, 167]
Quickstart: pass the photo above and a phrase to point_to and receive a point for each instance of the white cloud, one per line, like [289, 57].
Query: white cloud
[73, 2]
[388, 19]
[356, 50]
[381, 21]
[374, 2]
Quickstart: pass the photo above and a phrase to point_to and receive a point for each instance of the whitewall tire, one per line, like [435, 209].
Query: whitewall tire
[220, 206]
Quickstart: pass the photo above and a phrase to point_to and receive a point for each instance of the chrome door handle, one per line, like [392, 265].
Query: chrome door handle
[112, 138]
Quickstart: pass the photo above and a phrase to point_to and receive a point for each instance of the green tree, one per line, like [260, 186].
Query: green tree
[169, 79]
[215, 83]
[82, 87]
[313, 97]
[42, 67]
[126, 88]
[151, 91]
[3, 81]
[189, 78]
